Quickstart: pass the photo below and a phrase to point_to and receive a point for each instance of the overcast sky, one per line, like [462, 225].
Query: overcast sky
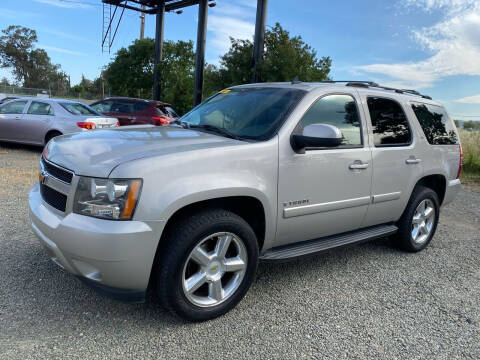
[429, 45]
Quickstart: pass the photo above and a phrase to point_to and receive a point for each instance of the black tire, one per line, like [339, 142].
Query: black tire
[51, 135]
[403, 238]
[176, 247]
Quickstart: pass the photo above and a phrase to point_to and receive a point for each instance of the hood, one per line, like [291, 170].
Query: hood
[98, 152]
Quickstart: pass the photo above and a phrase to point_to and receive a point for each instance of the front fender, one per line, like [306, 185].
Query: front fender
[176, 180]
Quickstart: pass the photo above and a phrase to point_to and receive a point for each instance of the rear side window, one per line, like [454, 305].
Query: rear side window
[337, 110]
[389, 123]
[438, 128]
[138, 106]
[123, 107]
[40, 108]
[103, 106]
[14, 107]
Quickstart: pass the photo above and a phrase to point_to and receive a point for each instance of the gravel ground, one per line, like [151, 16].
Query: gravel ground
[361, 302]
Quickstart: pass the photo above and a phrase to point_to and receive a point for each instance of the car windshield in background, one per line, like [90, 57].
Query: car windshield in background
[78, 109]
[248, 113]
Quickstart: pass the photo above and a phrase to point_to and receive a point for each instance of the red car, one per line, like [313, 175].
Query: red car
[131, 111]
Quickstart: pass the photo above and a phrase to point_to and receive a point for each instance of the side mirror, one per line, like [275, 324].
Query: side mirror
[315, 136]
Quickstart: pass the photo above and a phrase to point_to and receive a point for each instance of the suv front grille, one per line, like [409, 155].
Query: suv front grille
[57, 172]
[53, 197]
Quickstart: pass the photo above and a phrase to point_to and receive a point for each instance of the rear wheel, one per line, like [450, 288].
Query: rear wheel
[419, 221]
[207, 264]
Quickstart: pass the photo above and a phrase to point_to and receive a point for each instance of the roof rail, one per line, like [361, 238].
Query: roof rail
[368, 84]
[358, 82]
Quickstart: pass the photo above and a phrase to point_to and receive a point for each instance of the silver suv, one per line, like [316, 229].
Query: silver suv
[265, 172]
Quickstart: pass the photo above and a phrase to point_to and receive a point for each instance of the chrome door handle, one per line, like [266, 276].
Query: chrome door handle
[413, 161]
[358, 166]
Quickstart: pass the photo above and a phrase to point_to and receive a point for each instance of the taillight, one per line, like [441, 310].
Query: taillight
[86, 125]
[118, 123]
[160, 120]
[460, 165]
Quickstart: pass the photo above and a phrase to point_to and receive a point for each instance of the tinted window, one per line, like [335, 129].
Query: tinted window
[250, 113]
[171, 112]
[123, 107]
[40, 108]
[138, 106]
[78, 109]
[389, 122]
[103, 106]
[337, 110]
[14, 107]
[438, 128]
[167, 110]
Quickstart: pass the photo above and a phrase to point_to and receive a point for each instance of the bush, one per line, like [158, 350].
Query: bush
[471, 150]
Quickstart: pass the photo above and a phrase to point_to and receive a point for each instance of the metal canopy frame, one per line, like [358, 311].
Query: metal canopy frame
[159, 7]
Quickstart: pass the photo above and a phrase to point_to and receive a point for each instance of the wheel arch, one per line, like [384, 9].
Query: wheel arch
[250, 208]
[436, 182]
[49, 132]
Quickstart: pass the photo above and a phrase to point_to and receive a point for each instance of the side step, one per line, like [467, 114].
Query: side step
[303, 248]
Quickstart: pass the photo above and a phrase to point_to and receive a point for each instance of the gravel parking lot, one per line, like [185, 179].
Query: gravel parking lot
[365, 301]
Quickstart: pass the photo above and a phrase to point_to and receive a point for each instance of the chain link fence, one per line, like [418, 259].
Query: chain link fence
[12, 90]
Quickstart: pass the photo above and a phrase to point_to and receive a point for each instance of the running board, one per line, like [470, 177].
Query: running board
[303, 248]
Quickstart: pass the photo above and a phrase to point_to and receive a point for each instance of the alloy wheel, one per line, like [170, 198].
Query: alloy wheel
[214, 269]
[423, 221]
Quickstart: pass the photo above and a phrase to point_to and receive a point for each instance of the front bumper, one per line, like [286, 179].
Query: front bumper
[115, 257]
[453, 187]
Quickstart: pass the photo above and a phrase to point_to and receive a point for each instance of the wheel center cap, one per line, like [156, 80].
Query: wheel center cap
[214, 268]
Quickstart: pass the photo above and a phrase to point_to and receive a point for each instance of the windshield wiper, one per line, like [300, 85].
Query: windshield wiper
[217, 130]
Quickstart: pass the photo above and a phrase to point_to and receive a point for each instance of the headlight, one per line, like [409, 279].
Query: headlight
[113, 199]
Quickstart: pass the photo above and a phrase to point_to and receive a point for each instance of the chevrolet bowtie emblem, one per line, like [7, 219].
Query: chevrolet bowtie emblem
[213, 268]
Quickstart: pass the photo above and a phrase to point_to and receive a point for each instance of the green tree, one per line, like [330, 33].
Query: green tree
[471, 125]
[32, 67]
[285, 58]
[131, 72]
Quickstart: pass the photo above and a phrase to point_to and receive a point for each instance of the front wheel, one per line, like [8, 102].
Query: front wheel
[207, 264]
[419, 220]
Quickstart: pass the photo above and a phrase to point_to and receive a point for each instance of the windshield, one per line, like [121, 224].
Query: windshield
[78, 109]
[248, 113]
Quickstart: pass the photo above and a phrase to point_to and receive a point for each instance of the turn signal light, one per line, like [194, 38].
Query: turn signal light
[86, 125]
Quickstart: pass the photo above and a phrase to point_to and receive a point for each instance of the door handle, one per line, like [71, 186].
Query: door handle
[358, 166]
[411, 161]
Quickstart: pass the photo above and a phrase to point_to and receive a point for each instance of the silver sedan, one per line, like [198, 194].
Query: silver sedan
[36, 120]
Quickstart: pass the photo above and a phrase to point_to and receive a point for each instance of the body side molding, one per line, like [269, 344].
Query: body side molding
[324, 207]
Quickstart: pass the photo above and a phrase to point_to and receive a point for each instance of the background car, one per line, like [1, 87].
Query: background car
[35, 120]
[131, 111]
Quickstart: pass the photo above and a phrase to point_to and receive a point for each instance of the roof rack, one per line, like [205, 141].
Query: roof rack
[367, 84]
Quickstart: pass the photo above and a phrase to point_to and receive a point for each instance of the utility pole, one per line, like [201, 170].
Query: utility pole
[160, 20]
[258, 42]
[200, 53]
[142, 23]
